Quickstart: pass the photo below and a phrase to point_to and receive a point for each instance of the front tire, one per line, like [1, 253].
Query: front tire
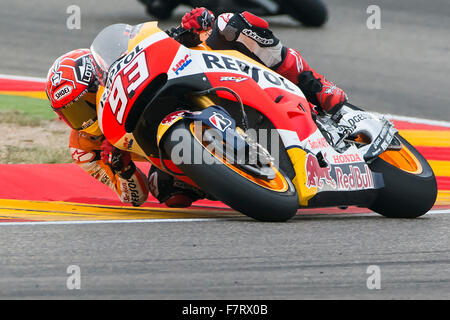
[408, 192]
[233, 188]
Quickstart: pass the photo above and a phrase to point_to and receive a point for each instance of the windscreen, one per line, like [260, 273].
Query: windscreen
[110, 45]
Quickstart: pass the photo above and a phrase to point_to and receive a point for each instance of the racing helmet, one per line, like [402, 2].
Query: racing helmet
[71, 88]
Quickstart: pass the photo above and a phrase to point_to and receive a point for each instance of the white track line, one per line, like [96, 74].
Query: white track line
[47, 223]
[44, 223]
[439, 123]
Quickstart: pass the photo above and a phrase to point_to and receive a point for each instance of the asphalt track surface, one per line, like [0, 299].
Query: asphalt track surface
[401, 69]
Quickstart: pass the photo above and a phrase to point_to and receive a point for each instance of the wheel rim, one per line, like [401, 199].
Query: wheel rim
[403, 159]
[278, 184]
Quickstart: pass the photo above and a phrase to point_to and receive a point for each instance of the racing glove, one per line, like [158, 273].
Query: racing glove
[193, 24]
[118, 160]
[198, 20]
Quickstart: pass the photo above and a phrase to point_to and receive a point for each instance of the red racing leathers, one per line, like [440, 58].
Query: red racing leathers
[131, 187]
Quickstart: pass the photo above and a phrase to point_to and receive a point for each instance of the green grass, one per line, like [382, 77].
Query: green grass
[20, 118]
[33, 108]
[35, 155]
[30, 112]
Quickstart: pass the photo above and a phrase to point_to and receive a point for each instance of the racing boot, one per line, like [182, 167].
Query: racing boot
[317, 89]
[172, 192]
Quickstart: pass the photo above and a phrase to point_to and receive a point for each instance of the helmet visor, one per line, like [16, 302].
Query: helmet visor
[81, 114]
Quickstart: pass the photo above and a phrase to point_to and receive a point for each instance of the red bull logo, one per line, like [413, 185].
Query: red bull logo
[355, 180]
[316, 176]
[170, 118]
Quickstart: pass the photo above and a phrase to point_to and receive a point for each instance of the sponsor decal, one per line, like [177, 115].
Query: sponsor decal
[223, 20]
[57, 75]
[183, 63]
[133, 192]
[61, 93]
[330, 89]
[356, 179]
[101, 175]
[153, 184]
[125, 193]
[346, 158]
[84, 70]
[382, 141]
[235, 79]
[318, 143]
[358, 118]
[220, 122]
[339, 178]
[79, 155]
[214, 61]
[170, 118]
[129, 191]
[127, 143]
[122, 63]
[104, 178]
[316, 176]
[251, 34]
[87, 124]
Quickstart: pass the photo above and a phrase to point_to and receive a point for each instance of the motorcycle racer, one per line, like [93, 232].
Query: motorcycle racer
[73, 79]
[71, 88]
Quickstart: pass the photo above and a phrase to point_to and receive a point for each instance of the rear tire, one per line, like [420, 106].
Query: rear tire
[405, 195]
[228, 186]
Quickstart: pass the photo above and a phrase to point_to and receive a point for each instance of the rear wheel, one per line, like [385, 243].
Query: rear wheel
[273, 200]
[410, 185]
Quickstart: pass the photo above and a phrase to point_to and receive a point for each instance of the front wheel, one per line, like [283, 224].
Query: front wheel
[273, 200]
[410, 185]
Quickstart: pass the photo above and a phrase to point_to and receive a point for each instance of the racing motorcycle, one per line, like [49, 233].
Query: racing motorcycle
[206, 116]
[311, 13]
